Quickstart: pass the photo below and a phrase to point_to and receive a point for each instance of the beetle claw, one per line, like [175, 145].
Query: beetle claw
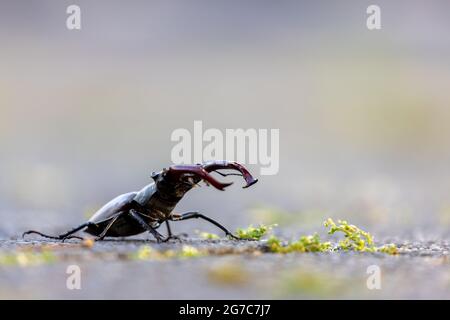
[231, 165]
[203, 171]
[232, 236]
[71, 237]
[160, 239]
[178, 237]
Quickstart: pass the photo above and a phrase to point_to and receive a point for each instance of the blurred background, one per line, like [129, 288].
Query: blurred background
[363, 115]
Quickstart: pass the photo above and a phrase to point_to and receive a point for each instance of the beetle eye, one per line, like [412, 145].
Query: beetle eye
[155, 175]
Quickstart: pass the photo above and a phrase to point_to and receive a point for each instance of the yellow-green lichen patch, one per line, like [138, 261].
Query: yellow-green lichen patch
[25, 258]
[388, 248]
[148, 253]
[208, 236]
[190, 252]
[356, 239]
[227, 274]
[254, 233]
[310, 243]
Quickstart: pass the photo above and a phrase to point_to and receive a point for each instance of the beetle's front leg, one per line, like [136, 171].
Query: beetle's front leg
[196, 215]
[170, 235]
[137, 217]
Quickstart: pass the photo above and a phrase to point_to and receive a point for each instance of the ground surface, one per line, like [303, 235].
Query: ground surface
[230, 270]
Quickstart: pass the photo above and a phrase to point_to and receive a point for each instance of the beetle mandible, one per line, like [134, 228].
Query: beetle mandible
[145, 210]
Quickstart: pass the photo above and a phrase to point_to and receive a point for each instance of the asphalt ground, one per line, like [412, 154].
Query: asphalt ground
[217, 269]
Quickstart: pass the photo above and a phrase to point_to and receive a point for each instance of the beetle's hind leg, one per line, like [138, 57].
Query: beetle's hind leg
[136, 217]
[64, 236]
[104, 232]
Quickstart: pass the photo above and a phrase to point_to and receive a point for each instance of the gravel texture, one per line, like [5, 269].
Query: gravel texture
[231, 270]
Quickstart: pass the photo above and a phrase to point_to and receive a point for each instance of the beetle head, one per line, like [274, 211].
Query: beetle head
[174, 185]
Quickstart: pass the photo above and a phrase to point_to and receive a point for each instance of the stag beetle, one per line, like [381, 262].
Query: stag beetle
[145, 210]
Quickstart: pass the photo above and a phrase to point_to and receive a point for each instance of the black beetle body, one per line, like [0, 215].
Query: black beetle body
[145, 210]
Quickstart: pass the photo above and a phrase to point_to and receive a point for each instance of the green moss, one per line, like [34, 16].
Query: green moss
[254, 233]
[148, 253]
[355, 239]
[27, 258]
[190, 252]
[304, 244]
[389, 249]
[209, 236]
[143, 253]
[228, 274]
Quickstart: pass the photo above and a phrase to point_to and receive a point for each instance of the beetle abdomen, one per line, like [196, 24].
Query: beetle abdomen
[124, 226]
[108, 211]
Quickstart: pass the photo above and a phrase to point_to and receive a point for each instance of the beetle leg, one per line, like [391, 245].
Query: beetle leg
[136, 216]
[172, 236]
[64, 236]
[103, 234]
[169, 231]
[194, 214]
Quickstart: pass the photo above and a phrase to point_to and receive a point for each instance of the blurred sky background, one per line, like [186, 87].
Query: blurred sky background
[363, 115]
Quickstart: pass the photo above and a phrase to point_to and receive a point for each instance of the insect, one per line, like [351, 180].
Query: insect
[145, 210]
